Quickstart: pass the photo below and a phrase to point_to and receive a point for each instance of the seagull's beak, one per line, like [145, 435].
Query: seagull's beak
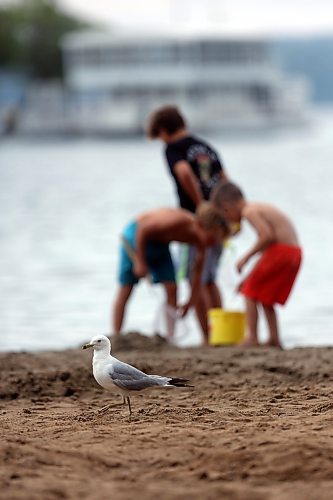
[86, 346]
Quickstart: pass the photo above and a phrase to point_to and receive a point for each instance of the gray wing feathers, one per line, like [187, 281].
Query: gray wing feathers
[135, 385]
[124, 370]
[130, 378]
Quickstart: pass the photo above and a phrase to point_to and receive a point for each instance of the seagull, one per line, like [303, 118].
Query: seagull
[118, 377]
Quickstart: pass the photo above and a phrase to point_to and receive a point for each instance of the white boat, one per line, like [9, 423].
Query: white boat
[116, 79]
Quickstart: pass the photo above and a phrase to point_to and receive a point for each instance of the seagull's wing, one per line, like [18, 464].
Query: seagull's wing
[130, 378]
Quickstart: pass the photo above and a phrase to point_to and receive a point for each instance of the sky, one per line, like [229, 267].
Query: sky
[228, 16]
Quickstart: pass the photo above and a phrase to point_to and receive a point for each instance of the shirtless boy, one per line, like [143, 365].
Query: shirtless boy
[145, 251]
[271, 280]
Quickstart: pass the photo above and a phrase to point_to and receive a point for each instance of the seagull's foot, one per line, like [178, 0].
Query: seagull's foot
[105, 408]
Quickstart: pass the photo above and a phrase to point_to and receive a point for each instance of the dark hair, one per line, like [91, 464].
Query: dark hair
[167, 118]
[226, 191]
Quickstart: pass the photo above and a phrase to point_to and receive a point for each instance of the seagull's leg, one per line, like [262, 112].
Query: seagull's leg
[129, 405]
[111, 405]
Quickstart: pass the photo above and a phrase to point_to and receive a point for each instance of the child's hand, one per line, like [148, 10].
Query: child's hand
[235, 228]
[239, 286]
[241, 263]
[183, 310]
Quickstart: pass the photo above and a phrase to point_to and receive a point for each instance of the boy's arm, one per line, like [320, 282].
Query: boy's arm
[144, 229]
[265, 236]
[188, 181]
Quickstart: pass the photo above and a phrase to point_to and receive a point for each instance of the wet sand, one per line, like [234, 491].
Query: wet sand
[258, 424]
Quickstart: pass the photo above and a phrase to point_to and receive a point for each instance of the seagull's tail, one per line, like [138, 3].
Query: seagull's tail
[179, 382]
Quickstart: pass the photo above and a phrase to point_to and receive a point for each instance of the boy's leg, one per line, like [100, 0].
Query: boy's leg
[201, 305]
[126, 277]
[119, 306]
[201, 313]
[252, 323]
[171, 296]
[212, 296]
[271, 317]
[212, 292]
[162, 271]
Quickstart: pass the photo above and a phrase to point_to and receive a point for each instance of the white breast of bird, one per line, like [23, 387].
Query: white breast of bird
[101, 374]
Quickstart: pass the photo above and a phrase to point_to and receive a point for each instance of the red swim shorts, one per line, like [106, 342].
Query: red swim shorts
[272, 278]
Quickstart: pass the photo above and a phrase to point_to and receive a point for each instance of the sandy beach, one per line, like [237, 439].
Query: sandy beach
[257, 425]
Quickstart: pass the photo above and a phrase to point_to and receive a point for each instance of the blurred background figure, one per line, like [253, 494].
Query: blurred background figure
[196, 169]
[78, 81]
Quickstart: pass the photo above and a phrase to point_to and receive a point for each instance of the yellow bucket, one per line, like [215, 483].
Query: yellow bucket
[226, 327]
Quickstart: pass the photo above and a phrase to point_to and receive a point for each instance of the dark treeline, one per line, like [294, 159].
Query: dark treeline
[30, 31]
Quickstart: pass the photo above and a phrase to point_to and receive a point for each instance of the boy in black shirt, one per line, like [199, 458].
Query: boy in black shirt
[196, 170]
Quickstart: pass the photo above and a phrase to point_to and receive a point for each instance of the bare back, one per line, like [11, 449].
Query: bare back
[172, 224]
[279, 224]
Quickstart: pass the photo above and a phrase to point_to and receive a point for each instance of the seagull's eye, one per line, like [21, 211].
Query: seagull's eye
[99, 340]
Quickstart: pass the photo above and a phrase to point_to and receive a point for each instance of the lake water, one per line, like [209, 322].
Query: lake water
[64, 203]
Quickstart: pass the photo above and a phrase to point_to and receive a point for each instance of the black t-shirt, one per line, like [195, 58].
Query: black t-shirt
[205, 164]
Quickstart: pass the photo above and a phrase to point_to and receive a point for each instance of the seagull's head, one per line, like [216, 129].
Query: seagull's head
[99, 343]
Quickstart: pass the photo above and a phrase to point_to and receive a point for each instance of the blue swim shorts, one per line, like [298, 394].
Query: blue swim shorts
[158, 258]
